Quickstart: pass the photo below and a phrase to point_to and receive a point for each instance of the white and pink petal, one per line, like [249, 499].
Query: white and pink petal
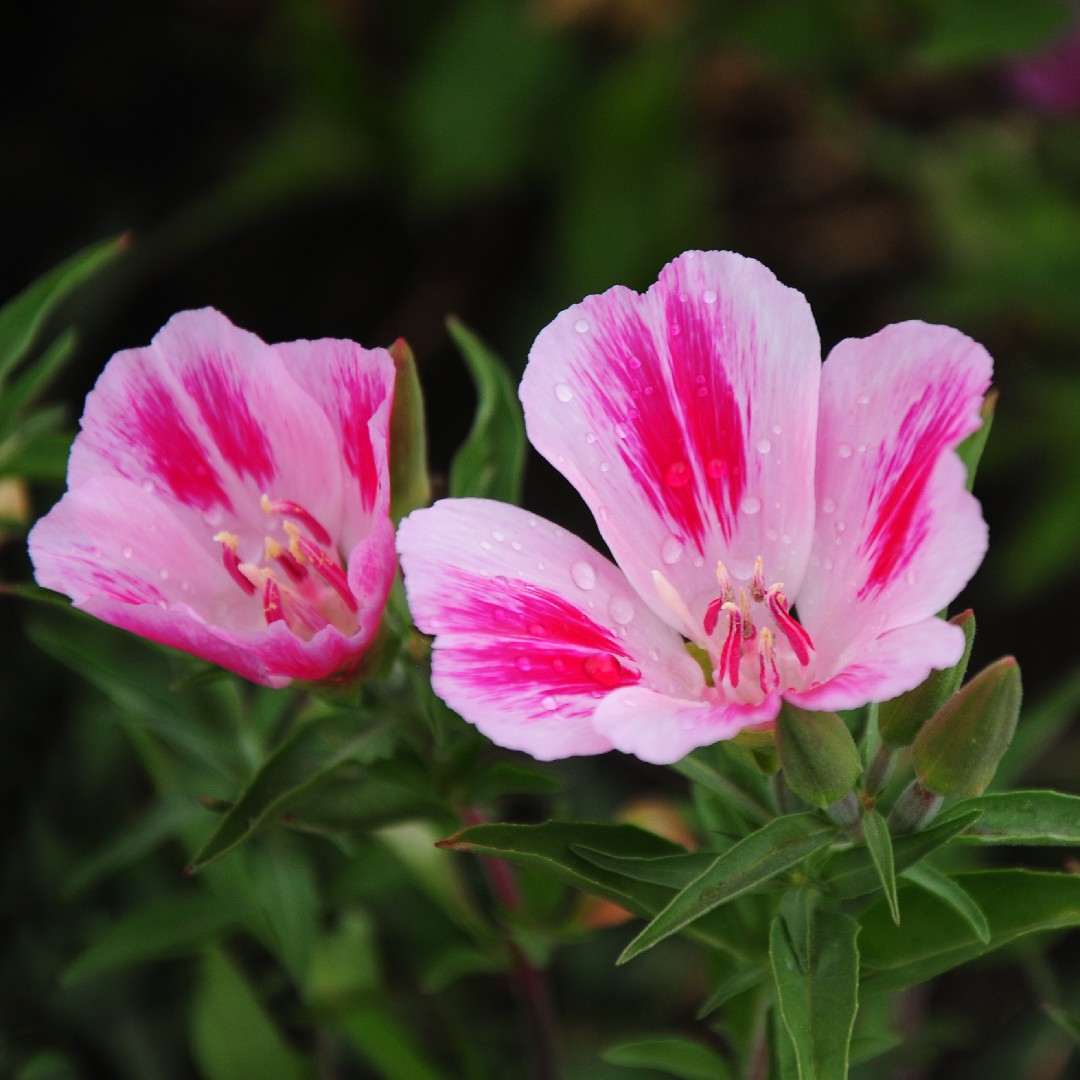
[533, 628]
[686, 418]
[897, 534]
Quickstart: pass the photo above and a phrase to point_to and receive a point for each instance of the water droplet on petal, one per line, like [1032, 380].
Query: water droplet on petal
[184, 586]
[563, 392]
[671, 550]
[515, 544]
[163, 574]
[128, 551]
[677, 474]
[785, 539]
[581, 326]
[828, 564]
[602, 513]
[716, 468]
[909, 577]
[603, 669]
[709, 296]
[485, 544]
[621, 610]
[590, 437]
[549, 703]
[583, 574]
[498, 536]
[764, 446]
[620, 431]
[828, 506]
[539, 566]
[148, 486]
[776, 429]
[844, 450]
[862, 399]
[772, 535]
[605, 466]
[654, 655]
[559, 664]
[523, 663]
[751, 504]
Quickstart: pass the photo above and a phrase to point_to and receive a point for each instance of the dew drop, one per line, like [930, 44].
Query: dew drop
[699, 562]
[828, 564]
[515, 544]
[909, 577]
[621, 610]
[844, 450]
[533, 522]
[671, 550]
[497, 536]
[702, 391]
[764, 446]
[772, 535]
[602, 513]
[862, 399]
[539, 566]
[605, 466]
[148, 486]
[185, 586]
[684, 298]
[559, 664]
[777, 429]
[523, 663]
[535, 629]
[583, 574]
[485, 544]
[676, 330]
[709, 296]
[563, 392]
[581, 326]
[785, 539]
[603, 669]
[634, 362]
[549, 703]
[620, 431]
[840, 526]
[677, 474]
[751, 504]
[828, 506]
[163, 574]
[128, 551]
[716, 468]
[654, 655]
[590, 437]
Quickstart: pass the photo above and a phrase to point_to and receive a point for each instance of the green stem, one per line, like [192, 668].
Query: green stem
[914, 810]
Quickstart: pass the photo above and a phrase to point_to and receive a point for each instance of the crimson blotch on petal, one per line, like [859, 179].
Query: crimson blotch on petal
[798, 523]
[231, 498]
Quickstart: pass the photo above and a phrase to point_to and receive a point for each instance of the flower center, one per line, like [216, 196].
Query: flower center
[751, 639]
[298, 574]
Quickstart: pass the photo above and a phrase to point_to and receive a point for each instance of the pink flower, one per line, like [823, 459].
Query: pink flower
[230, 498]
[1050, 79]
[733, 477]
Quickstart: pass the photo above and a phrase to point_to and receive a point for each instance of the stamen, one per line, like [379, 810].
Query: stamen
[287, 508]
[231, 561]
[712, 614]
[798, 638]
[272, 606]
[748, 628]
[723, 579]
[731, 653]
[767, 661]
[289, 562]
[326, 568]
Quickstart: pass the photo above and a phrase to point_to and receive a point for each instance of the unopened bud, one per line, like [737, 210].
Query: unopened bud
[958, 749]
[900, 718]
[817, 753]
[410, 486]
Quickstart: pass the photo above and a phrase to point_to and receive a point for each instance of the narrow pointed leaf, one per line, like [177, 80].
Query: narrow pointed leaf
[879, 844]
[410, 486]
[1032, 818]
[22, 318]
[671, 1056]
[970, 451]
[852, 873]
[797, 909]
[818, 1006]
[934, 938]
[944, 888]
[34, 381]
[758, 858]
[302, 762]
[1068, 1022]
[491, 462]
[741, 980]
[674, 871]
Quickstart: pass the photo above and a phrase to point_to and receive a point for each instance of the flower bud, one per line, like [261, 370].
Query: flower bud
[900, 718]
[817, 753]
[958, 749]
[409, 484]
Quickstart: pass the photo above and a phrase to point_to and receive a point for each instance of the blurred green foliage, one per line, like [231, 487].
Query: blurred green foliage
[362, 169]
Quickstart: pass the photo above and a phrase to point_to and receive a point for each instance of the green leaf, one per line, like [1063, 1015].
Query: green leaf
[672, 1056]
[172, 927]
[550, 849]
[742, 979]
[817, 753]
[797, 910]
[673, 871]
[879, 844]
[508, 778]
[818, 1006]
[388, 1047]
[42, 458]
[1032, 818]
[232, 1036]
[33, 382]
[944, 888]
[756, 859]
[491, 462]
[21, 319]
[344, 967]
[701, 768]
[934, 938]
[295, 768]
[851, 873]
[1068, 1022]
[970, 451]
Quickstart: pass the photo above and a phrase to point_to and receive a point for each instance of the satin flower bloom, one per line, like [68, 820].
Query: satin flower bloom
[735, 478]
[231, 499]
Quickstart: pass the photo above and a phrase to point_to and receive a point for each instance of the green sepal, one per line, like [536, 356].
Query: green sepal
[817, 753]
[900, 718]
[957, 751]
[410, 486]
[970, 451]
